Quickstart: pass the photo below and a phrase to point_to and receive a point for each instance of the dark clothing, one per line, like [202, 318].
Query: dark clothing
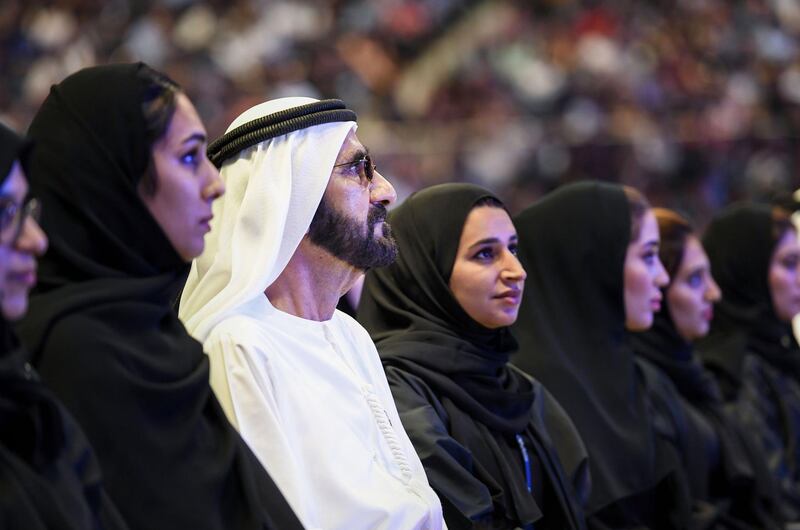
[468, 413]
[754, 355]
[728, 478]
[652, 508]
[49, 477]
[571, 330]
[768, 406]
[102, 330]
[462, 476]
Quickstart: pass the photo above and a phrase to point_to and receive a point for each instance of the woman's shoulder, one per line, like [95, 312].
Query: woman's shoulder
[79, 333]
[79, 352]
[655, 380]
[538, 388]
[547, 412]
[404, 381]
[762, 379]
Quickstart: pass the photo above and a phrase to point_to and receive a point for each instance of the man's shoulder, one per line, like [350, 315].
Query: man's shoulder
[364, 353]
[241, 330]
[343, 319]
[353, 326]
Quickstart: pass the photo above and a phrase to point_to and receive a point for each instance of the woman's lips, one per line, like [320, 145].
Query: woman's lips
[655, 303]
[512, 296]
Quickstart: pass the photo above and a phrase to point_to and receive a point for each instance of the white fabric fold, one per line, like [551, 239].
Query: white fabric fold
[310, 398]
[272, 192]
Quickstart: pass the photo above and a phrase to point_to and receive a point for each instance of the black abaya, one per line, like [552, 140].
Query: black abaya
[753, 353]
[102, 330]
[464, 407]
[571, 330]
[49, 477]
[725, 470]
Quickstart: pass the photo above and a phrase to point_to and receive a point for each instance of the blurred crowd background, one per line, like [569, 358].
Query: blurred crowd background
[695, 102]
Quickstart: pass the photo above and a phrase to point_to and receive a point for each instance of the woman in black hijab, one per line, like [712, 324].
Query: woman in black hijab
[120, 168]
[727, 477]
[497, 448]
[755, 257]
[591, 252]
[49, 478]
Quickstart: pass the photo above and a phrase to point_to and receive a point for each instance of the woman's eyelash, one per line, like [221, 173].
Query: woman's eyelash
[190, 157]
[484, 253]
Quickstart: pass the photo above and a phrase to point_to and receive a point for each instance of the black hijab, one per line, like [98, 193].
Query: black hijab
[102, 330]
[409, 304]
[420, 328]
[48, 475]
[665, 348]
[572, 336]
[740, 243]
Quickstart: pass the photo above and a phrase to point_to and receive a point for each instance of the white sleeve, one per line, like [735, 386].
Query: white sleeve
[242, 381]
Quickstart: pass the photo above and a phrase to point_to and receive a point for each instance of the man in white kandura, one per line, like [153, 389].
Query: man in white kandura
[302, 219]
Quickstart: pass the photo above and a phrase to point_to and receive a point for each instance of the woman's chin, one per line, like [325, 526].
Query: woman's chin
[641, 323]
[14, 307]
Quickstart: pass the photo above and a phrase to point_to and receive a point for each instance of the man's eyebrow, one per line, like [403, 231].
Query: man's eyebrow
[361, 153]
[357, 155]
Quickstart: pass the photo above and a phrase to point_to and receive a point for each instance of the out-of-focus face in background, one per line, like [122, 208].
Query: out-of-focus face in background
[644, 276]
[21, 242]
[692, 293]
[784, 277]
[516, 96]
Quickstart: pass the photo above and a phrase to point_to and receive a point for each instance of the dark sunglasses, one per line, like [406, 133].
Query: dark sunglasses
[365, 167]
[13, 216]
